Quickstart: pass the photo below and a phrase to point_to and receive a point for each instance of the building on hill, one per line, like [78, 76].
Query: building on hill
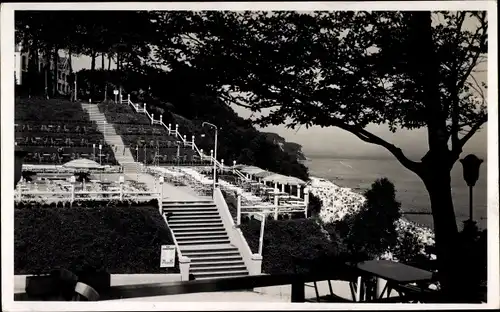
[21, 61]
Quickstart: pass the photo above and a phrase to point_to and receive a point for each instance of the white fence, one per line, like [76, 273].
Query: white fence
[282, 204]
[72, 195]
[175, 131]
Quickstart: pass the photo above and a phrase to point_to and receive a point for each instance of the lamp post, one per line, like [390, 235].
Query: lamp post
[215, 149]
[471, 164]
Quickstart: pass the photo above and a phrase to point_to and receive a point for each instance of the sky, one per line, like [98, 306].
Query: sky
[336, 142]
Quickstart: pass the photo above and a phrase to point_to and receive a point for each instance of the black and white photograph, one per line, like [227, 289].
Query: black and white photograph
[249, 155]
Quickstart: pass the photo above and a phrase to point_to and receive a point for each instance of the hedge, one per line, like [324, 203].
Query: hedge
[116, 237]
[284, 241]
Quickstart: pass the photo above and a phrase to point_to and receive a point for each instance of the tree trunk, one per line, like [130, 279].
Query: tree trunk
[55, 71]
[92, 73]
[437, 180]
[71, 79]
[48, 88]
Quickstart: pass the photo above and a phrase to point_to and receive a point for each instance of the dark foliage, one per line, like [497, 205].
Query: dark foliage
[287, 240]
[372, 231]
[115, 237]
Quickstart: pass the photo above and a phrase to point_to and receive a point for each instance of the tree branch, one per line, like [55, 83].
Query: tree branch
[472, 131]
[369, 137]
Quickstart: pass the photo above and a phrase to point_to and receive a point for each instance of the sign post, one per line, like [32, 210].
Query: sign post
[167, 259]
[115, 92]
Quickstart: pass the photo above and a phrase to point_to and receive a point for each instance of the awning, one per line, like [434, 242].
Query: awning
[282, 179]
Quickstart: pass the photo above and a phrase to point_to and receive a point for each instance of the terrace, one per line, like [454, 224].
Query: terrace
[149, 143]
[57, 131]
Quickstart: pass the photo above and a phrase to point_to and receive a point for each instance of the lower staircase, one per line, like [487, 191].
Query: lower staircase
[201, 236]
[122, 154]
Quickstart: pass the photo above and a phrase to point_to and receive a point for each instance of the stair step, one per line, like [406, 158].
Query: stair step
[200, 223]
[218, 274]
[214, 212]
[203, 241]
[184, 238]
[216, 263]
[210, 252]
[194, 216]
[180, 205]
[180, 230]
[190, 210]
[210, 268]
[199, 233]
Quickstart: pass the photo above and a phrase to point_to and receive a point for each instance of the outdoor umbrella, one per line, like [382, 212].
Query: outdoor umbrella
[252, 170]
[82, 163]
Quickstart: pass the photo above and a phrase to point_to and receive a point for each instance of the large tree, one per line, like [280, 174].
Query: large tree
[407, 70]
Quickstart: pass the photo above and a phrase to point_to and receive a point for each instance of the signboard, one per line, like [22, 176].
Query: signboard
[167, 257]
[115, 92]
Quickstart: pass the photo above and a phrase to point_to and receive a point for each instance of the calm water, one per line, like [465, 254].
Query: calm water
[361, 173]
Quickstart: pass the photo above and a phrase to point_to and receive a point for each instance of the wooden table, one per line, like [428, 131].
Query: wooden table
[394, 273]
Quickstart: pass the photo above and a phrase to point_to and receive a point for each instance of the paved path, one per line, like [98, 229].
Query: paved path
[170, 192]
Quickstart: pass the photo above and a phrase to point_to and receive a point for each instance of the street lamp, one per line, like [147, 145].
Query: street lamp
[215, 149]
[471, 164]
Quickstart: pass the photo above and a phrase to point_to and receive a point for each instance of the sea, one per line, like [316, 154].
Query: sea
[359, 174]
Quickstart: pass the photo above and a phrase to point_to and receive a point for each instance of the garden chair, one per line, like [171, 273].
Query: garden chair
[323, 265]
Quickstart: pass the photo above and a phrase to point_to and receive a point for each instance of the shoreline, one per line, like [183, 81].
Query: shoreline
[339, 202]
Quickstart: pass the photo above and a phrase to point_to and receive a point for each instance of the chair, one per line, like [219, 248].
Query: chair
[324, 265]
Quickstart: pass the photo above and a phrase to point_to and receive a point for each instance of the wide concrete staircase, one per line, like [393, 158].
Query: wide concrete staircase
[122, 153]
[201, 236]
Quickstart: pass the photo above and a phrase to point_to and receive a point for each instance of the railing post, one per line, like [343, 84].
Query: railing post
[121, 98]
[211, 156]
[176, 129]
[192, 142]
[276, 204]
[282, 187]
[234, 165]
[184, 266]
[128, 98]
[261, 236]
[144, 107]
[184, 139]
[161, 119]
[169, 128]
[256, 267]
[275, 185]
[238, 207]
[306, 196]
[121, 180]
[298, 190]
[161, 192]
[222, 165]
[72, 180]
[152, 119]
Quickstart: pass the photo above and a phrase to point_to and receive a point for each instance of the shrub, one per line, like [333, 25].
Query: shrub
[286, 240]
[372, 231]
[314, 206]
[91, 235]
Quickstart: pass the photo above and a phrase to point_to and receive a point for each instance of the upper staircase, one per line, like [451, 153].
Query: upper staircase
[122, 154]
[201, 236]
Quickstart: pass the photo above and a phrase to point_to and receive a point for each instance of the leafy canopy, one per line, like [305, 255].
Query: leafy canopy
[343, 69]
